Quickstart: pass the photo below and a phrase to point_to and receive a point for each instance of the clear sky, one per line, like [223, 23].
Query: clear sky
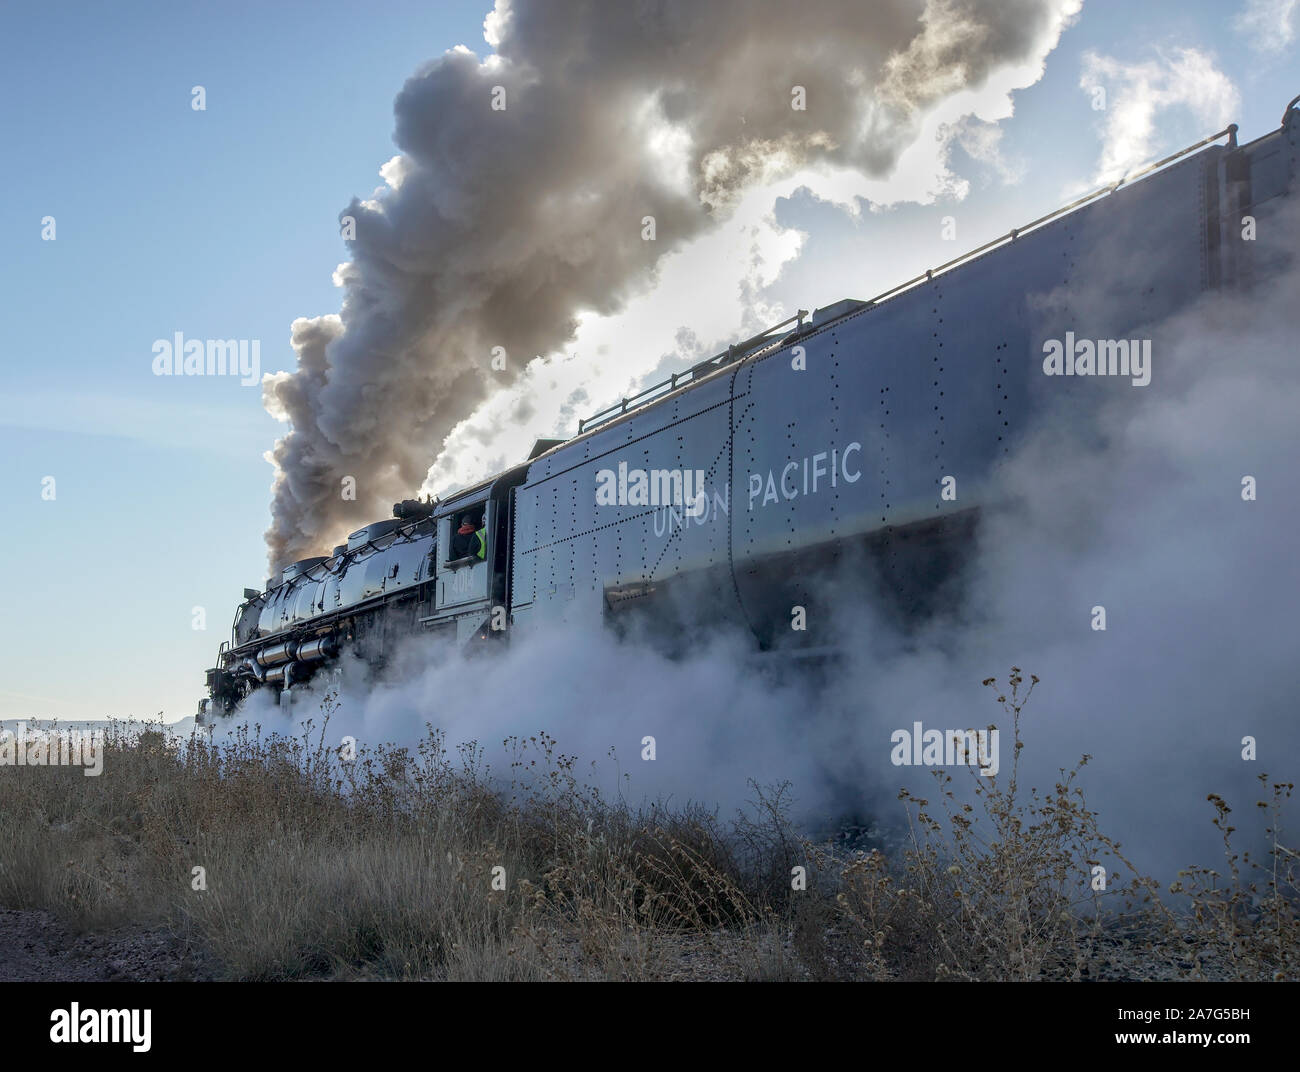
[222, 223]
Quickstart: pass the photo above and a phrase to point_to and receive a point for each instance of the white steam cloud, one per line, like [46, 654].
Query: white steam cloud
[1137, 94]
[1139, 511]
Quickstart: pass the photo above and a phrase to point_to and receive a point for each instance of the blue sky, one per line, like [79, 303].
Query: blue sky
[223, 224]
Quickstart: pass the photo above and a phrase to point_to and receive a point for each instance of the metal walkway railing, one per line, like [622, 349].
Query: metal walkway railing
[736, 351]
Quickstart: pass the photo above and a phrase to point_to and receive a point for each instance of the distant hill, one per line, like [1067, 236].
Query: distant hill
[181, 727]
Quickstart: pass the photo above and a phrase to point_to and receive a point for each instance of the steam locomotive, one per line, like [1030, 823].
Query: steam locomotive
[860, 441]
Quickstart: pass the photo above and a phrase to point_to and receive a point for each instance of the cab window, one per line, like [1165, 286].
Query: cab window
[467, 537]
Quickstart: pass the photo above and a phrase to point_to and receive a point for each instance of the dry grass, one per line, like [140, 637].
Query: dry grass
[417, 865]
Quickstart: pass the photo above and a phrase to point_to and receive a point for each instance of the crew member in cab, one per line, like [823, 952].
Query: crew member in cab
[467, 543]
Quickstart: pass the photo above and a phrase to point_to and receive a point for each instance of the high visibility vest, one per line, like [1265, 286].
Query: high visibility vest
[481, 553]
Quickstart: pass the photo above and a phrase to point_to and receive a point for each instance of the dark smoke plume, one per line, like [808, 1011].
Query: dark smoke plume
[498, 227]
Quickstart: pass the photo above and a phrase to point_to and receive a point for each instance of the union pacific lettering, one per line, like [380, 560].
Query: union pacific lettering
[703, 511]
[809, 475]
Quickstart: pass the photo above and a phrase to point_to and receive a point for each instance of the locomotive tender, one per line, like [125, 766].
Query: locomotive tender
[867, 434]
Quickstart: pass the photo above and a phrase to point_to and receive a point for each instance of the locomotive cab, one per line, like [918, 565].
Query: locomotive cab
[464, 578]
[471, 591]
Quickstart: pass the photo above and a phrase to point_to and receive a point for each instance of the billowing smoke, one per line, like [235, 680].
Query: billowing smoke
[520, 196]
[1138, 509]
